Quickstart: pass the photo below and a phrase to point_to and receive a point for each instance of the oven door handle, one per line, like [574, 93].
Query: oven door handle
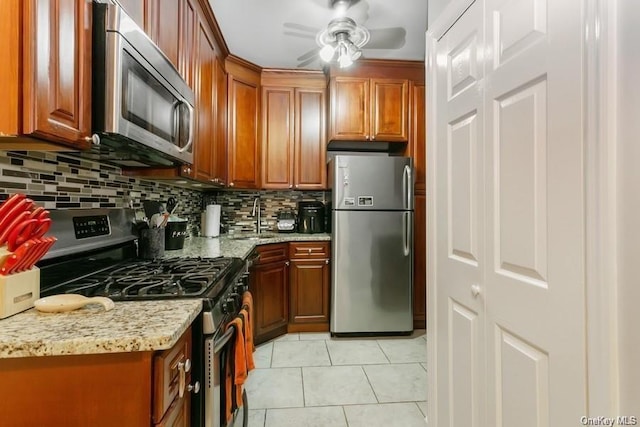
[219, 344]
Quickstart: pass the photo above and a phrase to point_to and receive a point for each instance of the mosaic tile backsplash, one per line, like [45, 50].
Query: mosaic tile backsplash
[237, 206]
[58, 181]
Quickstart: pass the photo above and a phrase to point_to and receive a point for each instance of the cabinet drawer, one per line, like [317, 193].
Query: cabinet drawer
[308, 250]
[272, 253]
[166, 374]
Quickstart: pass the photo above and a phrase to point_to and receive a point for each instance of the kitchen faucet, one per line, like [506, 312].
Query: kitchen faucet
[256, 213]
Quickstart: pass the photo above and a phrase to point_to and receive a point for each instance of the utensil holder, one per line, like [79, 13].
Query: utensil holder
[19, 291]
[151, 243]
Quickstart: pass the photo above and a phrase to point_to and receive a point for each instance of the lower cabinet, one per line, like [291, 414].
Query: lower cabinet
[100, 390]
[291, 289]
[269, 285]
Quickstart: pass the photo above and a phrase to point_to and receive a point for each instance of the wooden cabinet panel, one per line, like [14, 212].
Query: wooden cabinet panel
[272, 253]
[166, 372]
[309, 287]
[308, 250]
[205, 104]
[417, 138]
[220, 139]
[310, 165]
[178, 414]
[350, 108]
[277, 137]
[243, 133]
[164, 27]
[269, 285]
[187, 42]
[420, 263]
[389, 109]
[56, 72]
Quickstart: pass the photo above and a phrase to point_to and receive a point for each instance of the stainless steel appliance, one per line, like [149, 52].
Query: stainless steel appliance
[142, 108]
[96, 256]
[372, 244]
[311, 217]
[286, 221]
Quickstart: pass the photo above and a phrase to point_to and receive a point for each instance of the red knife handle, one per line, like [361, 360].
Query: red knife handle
[20, 256]
[16, 221]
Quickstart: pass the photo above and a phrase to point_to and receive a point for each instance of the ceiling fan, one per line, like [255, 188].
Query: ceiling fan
[343, 38]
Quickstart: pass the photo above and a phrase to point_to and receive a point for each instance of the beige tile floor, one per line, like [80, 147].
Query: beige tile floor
[313, 380]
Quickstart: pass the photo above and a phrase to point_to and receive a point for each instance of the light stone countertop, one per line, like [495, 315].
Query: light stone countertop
[130, 326]
[229, 246]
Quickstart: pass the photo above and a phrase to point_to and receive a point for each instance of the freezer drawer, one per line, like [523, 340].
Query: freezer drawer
[372, 269]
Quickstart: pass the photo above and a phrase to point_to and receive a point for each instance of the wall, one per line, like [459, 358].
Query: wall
[628, 158]
[61, 181]
[435, 8]
[237, 206]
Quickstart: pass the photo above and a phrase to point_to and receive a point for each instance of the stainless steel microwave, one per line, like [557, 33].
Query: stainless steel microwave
[142, 109]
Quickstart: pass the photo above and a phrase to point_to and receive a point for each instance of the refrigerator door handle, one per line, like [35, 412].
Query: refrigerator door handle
[406, 233]
[407, 187]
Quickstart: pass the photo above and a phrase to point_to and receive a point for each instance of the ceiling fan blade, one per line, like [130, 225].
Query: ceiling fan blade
[302, 36]
[310, 54]
[300, 27]
[308, 61]
[386, 38]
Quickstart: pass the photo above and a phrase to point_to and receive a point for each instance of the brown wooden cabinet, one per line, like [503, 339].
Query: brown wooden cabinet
[420, 263]
[365, 109]
[417, 137]
[309, 285]
[293, 142]
[132, 389]
[269, 284]
[220, 137]
[243, 105]
[46, 72]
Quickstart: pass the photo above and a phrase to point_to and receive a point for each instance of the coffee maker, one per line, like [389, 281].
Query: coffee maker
[310, 217]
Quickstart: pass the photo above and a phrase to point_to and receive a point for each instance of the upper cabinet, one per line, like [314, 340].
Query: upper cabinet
[45, 73]
[370, 102]
[417, 142]
[369, 109]
[243, 105]
[293, 130]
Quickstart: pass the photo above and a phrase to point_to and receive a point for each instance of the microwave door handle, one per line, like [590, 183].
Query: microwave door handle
[191, 128]
[175, 112]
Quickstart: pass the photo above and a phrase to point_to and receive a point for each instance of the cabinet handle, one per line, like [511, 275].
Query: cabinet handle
[326, 261]
[309, 250]
[94, 139]
[296, 185]
[366, 137]
[231, 184]
[373, 137]
[290, 185]
[183, 368]
[287, 263]
[195, 387]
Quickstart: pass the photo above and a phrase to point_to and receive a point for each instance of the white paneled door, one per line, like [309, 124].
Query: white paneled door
[509, 204]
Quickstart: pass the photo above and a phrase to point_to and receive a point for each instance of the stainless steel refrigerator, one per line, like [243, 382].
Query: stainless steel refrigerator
[372, 244]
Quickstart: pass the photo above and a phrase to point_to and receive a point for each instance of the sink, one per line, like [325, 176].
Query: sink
[252, 236]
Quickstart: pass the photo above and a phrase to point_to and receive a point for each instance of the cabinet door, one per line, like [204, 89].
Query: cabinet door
[389, 109]
[277, 137]
[187, 42]
[220, 140]
[310, 163]
[269, 284]
[57, 71]
[178, 414]
[205, 98]
[349, 109]
[417, 139]
[309, 286]
[164, 27]
[243, 134]
[420, 263]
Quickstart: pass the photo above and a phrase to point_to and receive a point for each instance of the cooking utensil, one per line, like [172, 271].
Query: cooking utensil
[14, 260]
[171, 205]
[17, 207]
[40, 248]
[67, 302]
[152, 207]
[34, 227]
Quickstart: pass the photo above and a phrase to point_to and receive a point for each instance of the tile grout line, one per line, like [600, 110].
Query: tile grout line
[370, 385]
[273, 350]
[383, 352]
[326, 346]
[344, 412]
[304, 398]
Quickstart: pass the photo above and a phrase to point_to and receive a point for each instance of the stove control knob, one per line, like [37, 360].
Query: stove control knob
[231, 304]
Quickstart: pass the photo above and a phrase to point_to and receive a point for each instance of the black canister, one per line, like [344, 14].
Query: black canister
[174, 235]
[310, 217]
[151, 243]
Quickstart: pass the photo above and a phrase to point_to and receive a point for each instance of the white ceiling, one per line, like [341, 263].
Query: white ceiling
[281, 33]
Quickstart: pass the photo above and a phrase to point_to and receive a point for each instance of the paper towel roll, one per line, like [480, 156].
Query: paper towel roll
[211, 221]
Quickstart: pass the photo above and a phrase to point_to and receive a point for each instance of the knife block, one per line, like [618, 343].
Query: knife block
[19, 291]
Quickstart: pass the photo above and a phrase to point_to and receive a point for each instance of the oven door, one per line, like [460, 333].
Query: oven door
[213, 411]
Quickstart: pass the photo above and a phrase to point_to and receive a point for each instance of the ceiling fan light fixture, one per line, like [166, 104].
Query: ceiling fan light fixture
[327, 52]
[345, 37]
